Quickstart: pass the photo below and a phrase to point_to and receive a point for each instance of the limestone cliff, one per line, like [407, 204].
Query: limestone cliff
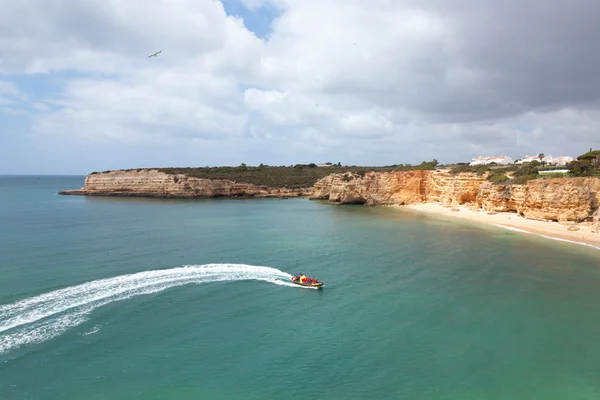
[374, 188]
[153, 183]
[407, 187]
[561, 199]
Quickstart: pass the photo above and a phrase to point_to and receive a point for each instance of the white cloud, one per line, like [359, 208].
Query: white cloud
[378, 81]
[11, 99]
[366, 122]
[259, 99]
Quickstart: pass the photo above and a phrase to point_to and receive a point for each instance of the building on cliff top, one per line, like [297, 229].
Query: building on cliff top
[562, 160]
[504, 160]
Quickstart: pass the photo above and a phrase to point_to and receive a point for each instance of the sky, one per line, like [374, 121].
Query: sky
[281, 82]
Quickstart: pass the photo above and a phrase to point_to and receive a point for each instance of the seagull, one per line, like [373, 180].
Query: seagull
[155, 54]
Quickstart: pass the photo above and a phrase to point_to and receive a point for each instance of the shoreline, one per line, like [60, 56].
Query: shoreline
[179, 195]
[550, 230]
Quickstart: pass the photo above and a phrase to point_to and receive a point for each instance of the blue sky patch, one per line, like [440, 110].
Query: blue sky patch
[258, 20]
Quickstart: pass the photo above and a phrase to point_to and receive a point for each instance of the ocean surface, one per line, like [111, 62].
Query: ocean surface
[107, 298]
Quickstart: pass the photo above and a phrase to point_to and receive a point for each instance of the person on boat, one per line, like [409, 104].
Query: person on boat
[302, 278]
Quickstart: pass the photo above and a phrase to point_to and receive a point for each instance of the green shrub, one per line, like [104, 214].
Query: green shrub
[526, 170]
[477, 169]
[523, 179]
[589, 156]
[425, 165]
[297, 176]
[587, 164]
[498, 178]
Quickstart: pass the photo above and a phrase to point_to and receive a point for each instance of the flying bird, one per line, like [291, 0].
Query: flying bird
[155, 54]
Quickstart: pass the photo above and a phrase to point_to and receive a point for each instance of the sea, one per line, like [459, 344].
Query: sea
[131, 298]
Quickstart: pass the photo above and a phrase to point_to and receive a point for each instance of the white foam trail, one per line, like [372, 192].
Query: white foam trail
[92, 331]
[510, 228]
[37, 319]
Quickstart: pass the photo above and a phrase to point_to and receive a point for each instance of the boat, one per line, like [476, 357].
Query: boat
[311, 282]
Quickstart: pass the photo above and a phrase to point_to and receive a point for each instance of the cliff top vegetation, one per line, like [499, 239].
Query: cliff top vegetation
[292, 177]
[587, 164]
[305, 175]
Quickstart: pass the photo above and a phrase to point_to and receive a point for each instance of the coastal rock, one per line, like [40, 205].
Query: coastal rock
[398, 188]
[452, 190]
[559, 199]
[322, 188]
[153, 183]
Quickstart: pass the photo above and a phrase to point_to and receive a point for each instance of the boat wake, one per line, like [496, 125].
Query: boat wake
[40, 318]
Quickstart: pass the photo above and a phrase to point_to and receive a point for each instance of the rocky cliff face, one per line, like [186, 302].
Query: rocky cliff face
[407, 187]
[561, 199]
[153, 183]
[374, 188]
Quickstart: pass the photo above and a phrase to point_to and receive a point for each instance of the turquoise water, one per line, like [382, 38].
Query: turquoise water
[104, 298]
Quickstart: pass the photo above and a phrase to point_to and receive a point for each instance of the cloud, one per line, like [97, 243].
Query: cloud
[354, 81]
[11, 99]
[258, 99]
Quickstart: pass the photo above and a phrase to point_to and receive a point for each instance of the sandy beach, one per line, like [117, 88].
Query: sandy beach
[586, 234]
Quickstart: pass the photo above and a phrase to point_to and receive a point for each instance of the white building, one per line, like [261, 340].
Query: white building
[478, 161]
[562, 160]
[528, 159]
[503, 160]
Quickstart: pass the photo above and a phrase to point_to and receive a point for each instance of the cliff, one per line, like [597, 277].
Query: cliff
[153, 183]
[560, 199]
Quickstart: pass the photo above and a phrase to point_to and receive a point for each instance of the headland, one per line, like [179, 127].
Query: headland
[565, 207]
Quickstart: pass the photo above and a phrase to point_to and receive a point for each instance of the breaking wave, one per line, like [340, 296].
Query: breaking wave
[40, 318]
[510, 228]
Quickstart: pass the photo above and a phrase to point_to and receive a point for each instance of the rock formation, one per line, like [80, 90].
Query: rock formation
[153, 183]
[560, 199]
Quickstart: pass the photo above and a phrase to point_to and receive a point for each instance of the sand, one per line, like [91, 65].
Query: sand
[552, 230]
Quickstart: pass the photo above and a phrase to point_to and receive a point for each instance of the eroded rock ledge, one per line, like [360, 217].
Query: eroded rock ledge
[153, 183]
[561, 199]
